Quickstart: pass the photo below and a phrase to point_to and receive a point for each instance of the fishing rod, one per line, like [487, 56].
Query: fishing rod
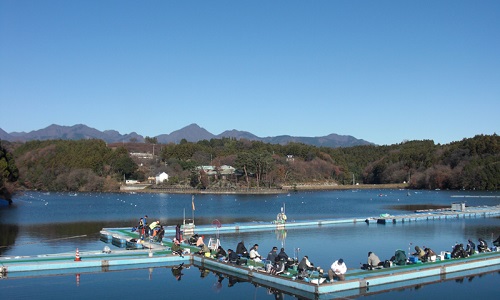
[51, 240]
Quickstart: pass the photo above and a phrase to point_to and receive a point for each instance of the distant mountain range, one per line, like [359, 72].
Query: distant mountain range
[192, 133]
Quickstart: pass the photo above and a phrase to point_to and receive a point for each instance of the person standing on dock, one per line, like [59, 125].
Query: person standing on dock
[178, 233]
[337, 270]
[152, 227]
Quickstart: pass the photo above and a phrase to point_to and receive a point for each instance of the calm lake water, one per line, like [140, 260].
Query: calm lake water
[39, 223]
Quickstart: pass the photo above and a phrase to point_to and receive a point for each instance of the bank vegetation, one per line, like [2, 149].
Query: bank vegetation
[92, 165]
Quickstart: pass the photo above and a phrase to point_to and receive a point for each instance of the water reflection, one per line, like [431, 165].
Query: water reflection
[8, 236]
[177, 271]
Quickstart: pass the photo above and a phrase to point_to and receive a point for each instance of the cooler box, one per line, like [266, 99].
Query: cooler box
[413, 259]
[447, 255]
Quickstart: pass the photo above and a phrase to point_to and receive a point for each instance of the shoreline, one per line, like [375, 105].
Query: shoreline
[262, 191]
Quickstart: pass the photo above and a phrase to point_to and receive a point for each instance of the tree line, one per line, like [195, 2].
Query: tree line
[91, 165]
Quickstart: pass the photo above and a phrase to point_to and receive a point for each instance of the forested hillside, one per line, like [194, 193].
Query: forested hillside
[91, 165]
[8, 173]
[85, 165]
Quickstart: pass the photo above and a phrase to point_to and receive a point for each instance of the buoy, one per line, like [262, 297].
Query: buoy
[77, 255]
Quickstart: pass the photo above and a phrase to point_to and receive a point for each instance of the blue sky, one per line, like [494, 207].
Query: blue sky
[383, 71]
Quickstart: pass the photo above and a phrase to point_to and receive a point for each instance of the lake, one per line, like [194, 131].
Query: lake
[45, 223]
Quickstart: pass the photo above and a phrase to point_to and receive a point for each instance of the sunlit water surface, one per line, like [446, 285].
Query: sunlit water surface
[40, 223]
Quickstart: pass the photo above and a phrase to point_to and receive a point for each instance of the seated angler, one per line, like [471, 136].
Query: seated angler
[373, 262]
[430, 255]
[305, 265]
[277, 267]
[399, 258]
[232, 257]
[242, 250]
[337, 270]
[220, 253]
[459, 252]
[254, 254]
[482, 246]
[203, 250]
[176, 248]
[419, 252]
[496, 242]
[471, 247]
[272, 255]
[282, 255]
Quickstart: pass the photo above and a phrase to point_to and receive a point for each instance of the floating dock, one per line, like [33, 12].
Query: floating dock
[455, 212]
[357, 282]
[428, 215]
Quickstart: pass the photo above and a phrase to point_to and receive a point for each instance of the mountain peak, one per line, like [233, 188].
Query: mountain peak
[192, 133]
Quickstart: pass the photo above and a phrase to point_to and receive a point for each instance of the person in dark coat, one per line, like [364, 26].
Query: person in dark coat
[242, 250]
[482, 246]
[282, 255]
[178, 235]
[232, 257]
[496, 242]
[220, 252]
[305, 264]
[471, 247]
[271, 256]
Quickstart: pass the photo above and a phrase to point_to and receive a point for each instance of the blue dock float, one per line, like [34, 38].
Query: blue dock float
[356, 281]
[438, 214]
[428, 215]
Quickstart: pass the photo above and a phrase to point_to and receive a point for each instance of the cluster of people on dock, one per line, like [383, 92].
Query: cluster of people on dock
[278, 262]
[482, 246]
[154, 231]
[426, 254]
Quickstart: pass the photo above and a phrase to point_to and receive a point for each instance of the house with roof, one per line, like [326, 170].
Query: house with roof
[162, 177]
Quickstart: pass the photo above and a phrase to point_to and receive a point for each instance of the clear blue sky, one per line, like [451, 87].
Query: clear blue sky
[383, 71]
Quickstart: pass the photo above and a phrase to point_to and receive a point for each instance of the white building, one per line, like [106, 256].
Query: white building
[160, 178]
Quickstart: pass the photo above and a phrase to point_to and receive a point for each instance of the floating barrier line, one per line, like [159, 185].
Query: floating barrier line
[51, 240]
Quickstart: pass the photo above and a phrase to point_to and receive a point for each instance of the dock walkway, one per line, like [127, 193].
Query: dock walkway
[357, 281]
[429, 215]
